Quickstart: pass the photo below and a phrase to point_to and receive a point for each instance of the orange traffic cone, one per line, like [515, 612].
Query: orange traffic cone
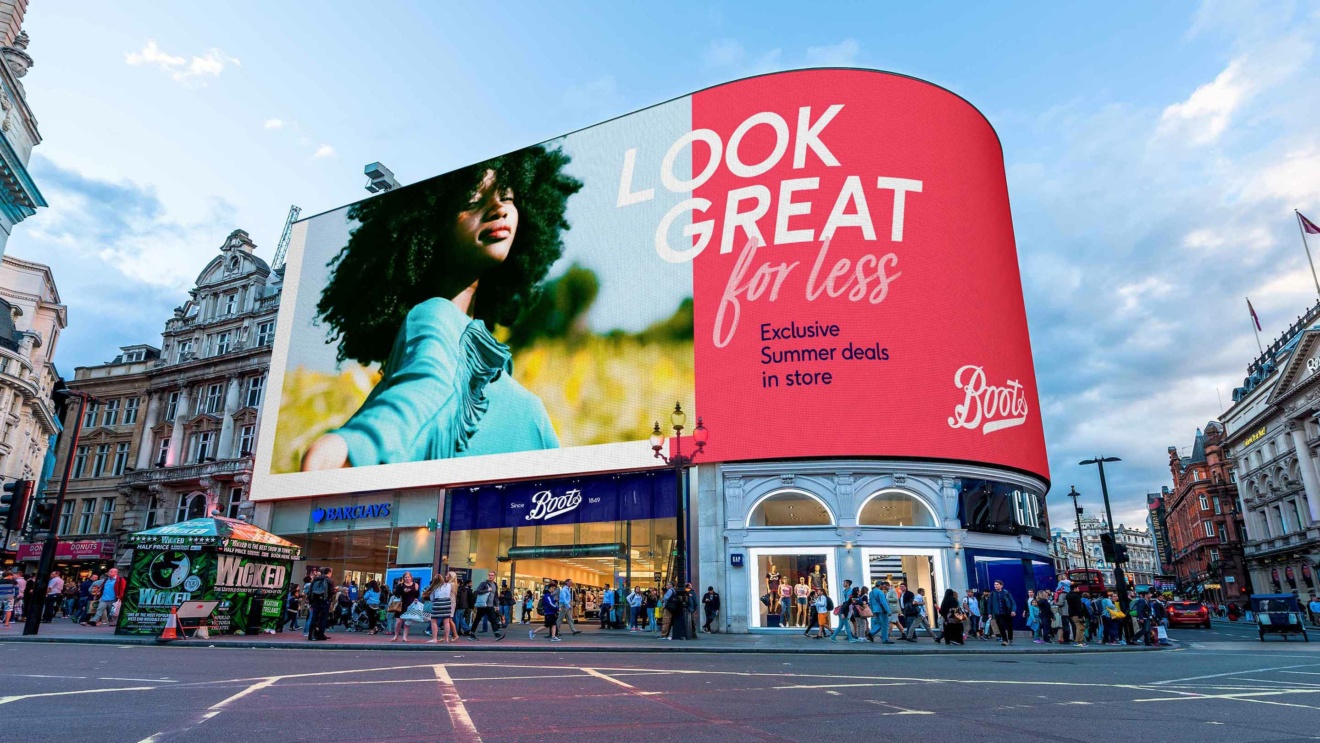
[171, 631]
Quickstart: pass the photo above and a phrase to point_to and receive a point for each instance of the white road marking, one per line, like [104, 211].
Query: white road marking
[1231, 673]
[611, 679]
[116, 678]
[17, 697]
[43, 676]
[255, 687]
[464, 728]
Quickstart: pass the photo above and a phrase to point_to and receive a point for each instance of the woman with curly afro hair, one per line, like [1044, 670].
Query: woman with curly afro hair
[425, 276]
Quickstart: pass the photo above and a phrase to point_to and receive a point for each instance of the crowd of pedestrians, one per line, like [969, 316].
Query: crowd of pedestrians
[888, 613]
[86, 601]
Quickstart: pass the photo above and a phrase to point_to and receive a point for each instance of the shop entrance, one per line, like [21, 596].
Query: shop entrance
[613, 530]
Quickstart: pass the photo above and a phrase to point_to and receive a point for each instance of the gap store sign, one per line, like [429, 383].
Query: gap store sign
[622, 497]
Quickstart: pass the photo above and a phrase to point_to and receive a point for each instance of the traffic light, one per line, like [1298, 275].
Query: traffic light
[1120, 554]
[14, 503]
[43, 516]
[1107, 546]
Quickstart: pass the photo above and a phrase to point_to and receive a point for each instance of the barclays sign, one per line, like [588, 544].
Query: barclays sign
[349, 513]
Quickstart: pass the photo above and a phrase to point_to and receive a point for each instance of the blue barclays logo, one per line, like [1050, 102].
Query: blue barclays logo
[348, 513]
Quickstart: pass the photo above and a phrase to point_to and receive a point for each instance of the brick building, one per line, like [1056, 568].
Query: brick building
[1204, 522]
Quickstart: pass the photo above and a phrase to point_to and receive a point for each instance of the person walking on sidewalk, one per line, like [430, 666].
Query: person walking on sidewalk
[506, 603]
[565, 607]
[8, 595]
[880, 613]
[405, 593]
[1044, 617]
[441, 592]
[1076, 615]
[550, 610]
[920, 619]
[54, 596]
[848, 603]
[636, 603]
[607, 607]
[319, 592]
[820, 603]
[972, 608]
[953, 616]
[112, 590]
[1003, 607]
[711, 604]
[487, 598]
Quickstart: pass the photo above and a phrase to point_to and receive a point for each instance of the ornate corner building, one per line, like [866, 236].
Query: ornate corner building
[1273, 433]
[176, 426]
[19, 196]
[31, 319]
[1204, 521]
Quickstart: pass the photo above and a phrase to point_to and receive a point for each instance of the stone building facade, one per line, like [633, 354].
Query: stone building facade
[19, 196]
[1204, 521]
[31, 319]
[1273, 434]
[177, 425]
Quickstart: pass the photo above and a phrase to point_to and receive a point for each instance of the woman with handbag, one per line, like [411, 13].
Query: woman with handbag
[405, 594]
[441, 592]
[951, 613]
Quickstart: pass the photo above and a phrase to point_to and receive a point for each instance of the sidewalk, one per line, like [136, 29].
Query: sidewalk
[591, 639]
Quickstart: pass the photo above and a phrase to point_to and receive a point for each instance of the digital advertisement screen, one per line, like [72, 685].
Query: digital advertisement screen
[818, 263]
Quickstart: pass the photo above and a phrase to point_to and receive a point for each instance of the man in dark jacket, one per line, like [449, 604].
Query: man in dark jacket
[1076, 615]
[1003, 607]
[319, 591]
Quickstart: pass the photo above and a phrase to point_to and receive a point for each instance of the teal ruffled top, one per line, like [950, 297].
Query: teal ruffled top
[447, 391]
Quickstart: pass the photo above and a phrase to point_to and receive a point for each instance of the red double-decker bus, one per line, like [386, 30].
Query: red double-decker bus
[1091, 581]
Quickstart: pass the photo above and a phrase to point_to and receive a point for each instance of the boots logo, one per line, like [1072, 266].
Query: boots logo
[985, 406]
[547, 505]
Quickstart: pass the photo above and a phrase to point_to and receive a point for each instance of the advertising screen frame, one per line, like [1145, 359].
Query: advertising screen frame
[596, 458]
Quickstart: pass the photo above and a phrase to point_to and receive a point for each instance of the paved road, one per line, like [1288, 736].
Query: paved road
[1212, 690]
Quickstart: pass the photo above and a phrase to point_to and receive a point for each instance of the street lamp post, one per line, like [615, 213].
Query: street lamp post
[680, 462]
[1081, 537]
[1119, 580]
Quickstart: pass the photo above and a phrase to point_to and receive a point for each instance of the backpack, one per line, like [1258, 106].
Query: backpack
[319, 588]
[829, 603]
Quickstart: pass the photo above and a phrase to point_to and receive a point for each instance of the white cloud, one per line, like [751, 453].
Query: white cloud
[210, 64]
[323, 152]
[1206, 113]
[842, 54]
[274, 124]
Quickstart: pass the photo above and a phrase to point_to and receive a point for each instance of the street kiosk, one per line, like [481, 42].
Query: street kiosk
[244, 568]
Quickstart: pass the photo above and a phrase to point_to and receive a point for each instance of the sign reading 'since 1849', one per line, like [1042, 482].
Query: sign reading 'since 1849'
[826, 252]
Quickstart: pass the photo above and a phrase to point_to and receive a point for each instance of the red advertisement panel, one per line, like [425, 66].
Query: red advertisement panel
[860, 295]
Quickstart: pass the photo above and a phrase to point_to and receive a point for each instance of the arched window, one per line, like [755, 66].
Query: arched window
[895, 508]
[790, 508]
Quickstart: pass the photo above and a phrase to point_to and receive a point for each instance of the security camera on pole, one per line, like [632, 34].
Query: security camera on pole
[44, 512]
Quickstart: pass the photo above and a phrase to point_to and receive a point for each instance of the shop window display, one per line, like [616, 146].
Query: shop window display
[786, 585]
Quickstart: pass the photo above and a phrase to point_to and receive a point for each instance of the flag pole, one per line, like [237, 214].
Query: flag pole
[1254, 329]
[1302, 230]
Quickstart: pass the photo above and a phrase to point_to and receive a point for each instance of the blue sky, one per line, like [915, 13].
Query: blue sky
[1155, 152]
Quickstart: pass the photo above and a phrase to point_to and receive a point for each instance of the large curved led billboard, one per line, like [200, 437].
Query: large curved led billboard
[818, 263]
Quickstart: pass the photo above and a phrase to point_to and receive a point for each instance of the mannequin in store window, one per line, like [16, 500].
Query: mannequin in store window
[817, 580]
[772, 581]
[800, 593]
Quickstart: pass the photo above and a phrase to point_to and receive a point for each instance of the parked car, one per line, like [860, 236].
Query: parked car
[1193, 613]
[1278, 614]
